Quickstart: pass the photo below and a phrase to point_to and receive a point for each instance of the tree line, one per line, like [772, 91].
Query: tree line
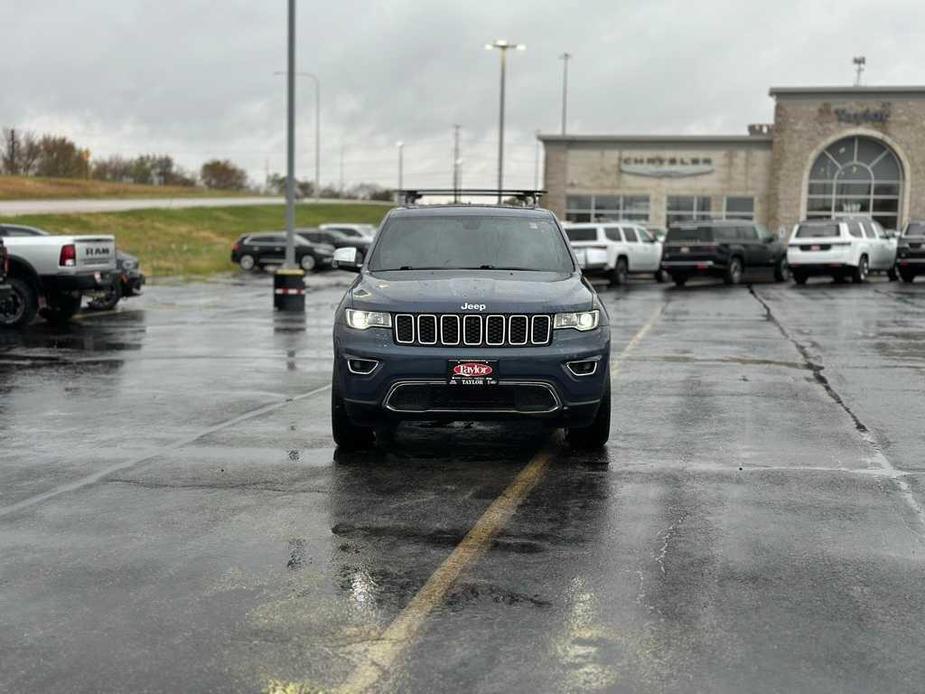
[24, 153]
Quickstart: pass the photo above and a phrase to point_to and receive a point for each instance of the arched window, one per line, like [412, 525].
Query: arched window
[856, 175]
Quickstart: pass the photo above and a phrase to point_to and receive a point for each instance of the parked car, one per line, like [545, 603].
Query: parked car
[338, 239]
[840, 248]
[127, 282]
[731, 250]
[5, 291]
[51, 274]
[463, 312]
[367, 231]
[629, 249]
[256, 251]
[910, 251]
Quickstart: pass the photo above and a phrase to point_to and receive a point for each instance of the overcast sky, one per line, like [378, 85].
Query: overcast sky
[195, 79]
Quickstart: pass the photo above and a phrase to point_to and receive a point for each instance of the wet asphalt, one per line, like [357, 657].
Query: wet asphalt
[174, 517]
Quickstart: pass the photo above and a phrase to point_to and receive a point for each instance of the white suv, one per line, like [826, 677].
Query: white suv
[629, 248]
[840, 248]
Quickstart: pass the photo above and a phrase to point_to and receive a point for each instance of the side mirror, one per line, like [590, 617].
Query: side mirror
[347, 259]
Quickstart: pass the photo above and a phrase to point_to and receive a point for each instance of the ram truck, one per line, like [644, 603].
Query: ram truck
[50, 274]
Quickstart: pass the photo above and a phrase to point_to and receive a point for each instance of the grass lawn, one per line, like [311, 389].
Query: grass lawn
[30, 188]
[194, 242]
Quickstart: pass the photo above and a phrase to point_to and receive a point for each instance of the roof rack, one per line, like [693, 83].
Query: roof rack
[410, 196]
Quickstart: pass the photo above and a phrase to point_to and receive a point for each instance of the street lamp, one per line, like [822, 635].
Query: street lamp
[401, 163]
[502, 46]
[565, 57]
[314, 77]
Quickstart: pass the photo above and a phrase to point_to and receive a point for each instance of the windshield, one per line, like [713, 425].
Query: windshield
[581, 234]
[471, 242]
[915, 229]
[689, 234]
[817, 231]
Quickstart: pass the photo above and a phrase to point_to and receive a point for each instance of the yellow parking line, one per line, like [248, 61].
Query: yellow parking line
[400, 634]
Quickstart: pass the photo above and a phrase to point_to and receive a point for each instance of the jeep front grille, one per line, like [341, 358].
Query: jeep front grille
[472, 330]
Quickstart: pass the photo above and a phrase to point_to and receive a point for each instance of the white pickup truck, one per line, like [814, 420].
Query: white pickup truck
[49, 274]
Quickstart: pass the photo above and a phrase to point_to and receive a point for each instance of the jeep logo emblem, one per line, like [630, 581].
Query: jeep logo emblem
[473, 307]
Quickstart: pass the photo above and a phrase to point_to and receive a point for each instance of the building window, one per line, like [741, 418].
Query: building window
[740, 208]
[607, 208]
[686, 208]
[856, 175]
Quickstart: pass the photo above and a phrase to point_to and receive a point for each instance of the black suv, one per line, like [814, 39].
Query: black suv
[910, 251]
[726, 249]
[5, 291]
[256, 251]
[469, 312]
[336, 238]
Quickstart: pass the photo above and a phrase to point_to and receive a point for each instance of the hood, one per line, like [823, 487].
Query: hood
[444, 291]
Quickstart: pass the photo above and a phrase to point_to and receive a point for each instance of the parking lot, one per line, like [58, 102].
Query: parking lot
[174, 517]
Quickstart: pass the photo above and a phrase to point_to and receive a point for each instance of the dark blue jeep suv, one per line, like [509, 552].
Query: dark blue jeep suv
[469, 312]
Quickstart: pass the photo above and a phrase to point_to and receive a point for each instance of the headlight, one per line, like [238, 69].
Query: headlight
[361, 320]
[583, 320]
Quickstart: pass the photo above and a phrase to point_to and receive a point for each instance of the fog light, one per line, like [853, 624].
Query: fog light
[583, 367]
[361, 367]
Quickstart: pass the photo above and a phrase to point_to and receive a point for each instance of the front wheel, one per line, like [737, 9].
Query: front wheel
[21, 306]
[620, 272]
[307, 262]
[597, 433]
[733, 272]
[861, 271]
[907, 277]
[347, 435]
[108, 299]
[660, 276]
[782, 270]
[892, 274]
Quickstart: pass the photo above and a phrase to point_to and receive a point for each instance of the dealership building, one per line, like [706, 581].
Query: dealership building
[829, 151]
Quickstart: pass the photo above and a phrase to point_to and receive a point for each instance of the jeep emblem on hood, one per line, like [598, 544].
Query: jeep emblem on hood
[472, 307]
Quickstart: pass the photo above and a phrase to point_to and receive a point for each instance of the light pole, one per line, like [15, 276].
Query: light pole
[536, 162]
[565, 57]
[456, 163]
[314, 77]
[502, 46]
[859, 63]
[401, 163]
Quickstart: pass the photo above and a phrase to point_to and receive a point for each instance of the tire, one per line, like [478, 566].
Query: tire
[733, 271]
[107, 301]
[861, 272]
[308, 262]
[61, 307]
[782, 271]
[596, 434]
[660, 276]
[799, 277]
[620, 273]
[892, 274]
[247, 262]
[907, 277]
[679, 280]
[20, 309]
[347, 435]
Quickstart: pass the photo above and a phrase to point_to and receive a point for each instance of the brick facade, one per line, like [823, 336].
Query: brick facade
[770, 165]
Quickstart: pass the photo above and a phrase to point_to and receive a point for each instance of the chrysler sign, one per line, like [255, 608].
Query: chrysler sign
[661, 166]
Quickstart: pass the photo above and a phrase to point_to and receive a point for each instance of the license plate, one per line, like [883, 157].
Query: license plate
[685, 249]
[815, 248]
[472, 372]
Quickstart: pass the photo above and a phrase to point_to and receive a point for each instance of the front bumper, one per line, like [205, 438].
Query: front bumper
[132, 282]
[572, 400]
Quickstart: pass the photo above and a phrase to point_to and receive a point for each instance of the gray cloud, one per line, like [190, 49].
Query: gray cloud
[195, 78]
